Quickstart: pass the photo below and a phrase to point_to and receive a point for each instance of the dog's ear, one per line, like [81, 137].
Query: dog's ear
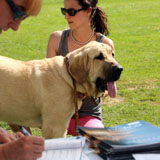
[78, 66]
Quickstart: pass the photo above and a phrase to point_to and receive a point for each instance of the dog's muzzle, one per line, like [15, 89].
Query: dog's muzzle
[116, 73]
[108, 83]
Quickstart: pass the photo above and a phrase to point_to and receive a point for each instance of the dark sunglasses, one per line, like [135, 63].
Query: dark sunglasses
[18, 14]
[71, 11]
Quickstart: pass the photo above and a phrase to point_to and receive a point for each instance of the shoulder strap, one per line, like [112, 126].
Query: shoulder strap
[100, 37]
[63, 45]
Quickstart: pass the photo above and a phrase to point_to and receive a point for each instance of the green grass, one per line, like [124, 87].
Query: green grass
[134, 28]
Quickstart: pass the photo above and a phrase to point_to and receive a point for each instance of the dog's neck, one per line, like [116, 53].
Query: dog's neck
[80, 95]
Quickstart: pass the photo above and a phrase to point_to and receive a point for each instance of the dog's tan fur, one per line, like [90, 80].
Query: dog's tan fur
[39, 93]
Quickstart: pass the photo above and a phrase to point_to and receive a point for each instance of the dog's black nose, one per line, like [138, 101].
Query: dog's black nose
[117, 70]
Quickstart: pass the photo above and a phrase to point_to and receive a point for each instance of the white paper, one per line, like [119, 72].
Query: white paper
[71, 154]
[146, 156]
[63, 149]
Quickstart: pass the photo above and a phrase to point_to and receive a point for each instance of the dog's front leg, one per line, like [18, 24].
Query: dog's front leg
[54, 128]
[56, 116]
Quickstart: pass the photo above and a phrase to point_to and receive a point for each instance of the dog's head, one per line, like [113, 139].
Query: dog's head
[95, 69]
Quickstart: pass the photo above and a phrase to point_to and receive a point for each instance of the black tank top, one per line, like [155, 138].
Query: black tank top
[88, 108]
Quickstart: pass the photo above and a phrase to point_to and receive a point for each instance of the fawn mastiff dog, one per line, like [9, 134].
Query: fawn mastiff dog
[40, 93]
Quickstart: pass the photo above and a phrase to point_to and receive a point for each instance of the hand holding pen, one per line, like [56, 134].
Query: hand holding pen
[20, 147]
[6, 136]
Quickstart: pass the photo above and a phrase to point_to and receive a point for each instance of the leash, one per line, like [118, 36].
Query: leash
[66, 60]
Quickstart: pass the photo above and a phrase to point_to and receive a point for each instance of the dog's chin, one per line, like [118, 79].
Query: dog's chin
[103, 85]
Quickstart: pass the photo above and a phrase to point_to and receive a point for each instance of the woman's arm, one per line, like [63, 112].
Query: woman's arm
[109, 42]
[53, 44]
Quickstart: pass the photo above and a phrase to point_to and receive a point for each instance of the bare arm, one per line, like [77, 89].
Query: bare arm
[109, 42]
[53, 44]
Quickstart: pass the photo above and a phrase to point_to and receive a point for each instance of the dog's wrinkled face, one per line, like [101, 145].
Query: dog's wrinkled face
[95, 68]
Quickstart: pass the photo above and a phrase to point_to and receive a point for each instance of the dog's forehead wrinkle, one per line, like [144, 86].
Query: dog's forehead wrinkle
[111, 61]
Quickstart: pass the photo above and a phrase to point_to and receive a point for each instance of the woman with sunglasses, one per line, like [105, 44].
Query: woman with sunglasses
[87, 22]
[12, 12]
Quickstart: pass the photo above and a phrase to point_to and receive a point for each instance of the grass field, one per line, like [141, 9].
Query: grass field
[135, 30]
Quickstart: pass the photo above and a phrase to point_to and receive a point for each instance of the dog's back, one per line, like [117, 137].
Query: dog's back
[25, 85]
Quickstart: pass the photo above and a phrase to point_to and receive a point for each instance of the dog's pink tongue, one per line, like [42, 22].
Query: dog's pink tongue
[112, 89]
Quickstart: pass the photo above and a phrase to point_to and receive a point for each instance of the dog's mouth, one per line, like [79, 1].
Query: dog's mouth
[102, 85]
[109, 83]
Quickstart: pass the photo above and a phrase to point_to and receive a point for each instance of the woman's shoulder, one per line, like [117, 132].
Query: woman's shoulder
[58, 34]
[54, 35]
[53, 43]
[55, 38]
[107, 41]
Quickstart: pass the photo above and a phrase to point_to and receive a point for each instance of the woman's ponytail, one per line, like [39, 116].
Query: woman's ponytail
[98, 17]
[99, 21]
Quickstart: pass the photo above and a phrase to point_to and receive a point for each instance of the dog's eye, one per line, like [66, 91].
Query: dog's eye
[100, 56]
[112, 54]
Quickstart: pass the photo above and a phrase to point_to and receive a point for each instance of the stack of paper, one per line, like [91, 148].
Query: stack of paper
[121, 142]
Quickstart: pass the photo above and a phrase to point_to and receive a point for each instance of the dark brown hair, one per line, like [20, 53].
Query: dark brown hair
[98, 16]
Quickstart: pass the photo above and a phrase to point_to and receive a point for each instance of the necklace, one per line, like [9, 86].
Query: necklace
[82, 43]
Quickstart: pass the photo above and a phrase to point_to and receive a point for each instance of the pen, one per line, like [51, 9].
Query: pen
[25, 132]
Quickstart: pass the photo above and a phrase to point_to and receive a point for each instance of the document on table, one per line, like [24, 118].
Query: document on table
[64, 148]
[146, 156]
